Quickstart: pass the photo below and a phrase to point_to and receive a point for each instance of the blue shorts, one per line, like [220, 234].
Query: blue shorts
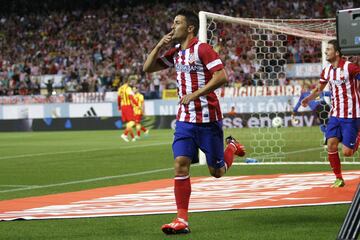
[344, 129]
[209, 137]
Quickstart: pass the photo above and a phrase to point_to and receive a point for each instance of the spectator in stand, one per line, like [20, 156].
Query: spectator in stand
[99, 38]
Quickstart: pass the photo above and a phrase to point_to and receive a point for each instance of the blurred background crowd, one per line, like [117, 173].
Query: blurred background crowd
[95, 44]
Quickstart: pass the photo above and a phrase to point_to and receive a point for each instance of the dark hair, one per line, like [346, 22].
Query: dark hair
[191, 19]
[337, 48]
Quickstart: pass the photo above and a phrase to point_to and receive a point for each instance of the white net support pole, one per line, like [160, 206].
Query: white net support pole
[323, 56]
[202, 27]
[202, 38]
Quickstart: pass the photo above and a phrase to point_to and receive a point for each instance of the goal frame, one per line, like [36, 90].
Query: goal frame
[261, 23]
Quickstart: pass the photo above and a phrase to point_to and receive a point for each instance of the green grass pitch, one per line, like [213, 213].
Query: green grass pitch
[56, 162]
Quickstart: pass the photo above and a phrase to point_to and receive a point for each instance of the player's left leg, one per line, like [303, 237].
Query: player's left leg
[350, 131]
[236, 147]
[211, 142]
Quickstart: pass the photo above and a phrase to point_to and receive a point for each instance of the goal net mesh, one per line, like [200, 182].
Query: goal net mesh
[257, 53]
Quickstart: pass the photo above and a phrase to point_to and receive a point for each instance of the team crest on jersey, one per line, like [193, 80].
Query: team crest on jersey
[191, 58]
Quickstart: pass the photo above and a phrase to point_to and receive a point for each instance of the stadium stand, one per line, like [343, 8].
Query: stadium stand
[95, 44]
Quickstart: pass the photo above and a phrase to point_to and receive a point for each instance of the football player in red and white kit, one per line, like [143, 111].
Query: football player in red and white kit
[344, 124]
[199, 120]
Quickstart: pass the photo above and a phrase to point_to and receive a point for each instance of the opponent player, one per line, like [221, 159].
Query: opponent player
[344, 123]
[138, 112]
[125, 101]
[199, 119]
[318, 105]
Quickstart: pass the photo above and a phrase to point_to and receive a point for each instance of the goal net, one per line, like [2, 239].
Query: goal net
[262, 59]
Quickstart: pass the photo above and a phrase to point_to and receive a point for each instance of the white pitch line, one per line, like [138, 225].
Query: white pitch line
[80, 151]
[18, 186]
[88, 180]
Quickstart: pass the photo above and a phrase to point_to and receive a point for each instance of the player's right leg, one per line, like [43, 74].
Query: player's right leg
[182, 190]
[184, 149]
[334, 159]
[177, 226]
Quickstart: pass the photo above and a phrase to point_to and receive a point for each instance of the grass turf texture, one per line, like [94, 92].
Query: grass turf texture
[47, 158]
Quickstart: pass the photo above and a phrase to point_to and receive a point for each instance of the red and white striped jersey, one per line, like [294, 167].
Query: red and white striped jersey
[345, 89]
[194, 68]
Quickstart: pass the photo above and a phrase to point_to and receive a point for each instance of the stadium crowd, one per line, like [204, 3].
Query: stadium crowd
[98, 43]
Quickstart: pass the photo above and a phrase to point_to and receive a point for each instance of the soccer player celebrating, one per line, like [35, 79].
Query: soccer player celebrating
[138, 112]
[199, 119]
[125, 101]
[344, 123]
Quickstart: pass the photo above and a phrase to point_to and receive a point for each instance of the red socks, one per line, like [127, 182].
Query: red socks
[229, 155]
[129, 131]
[142, 129]
[182, 189]
[335, 163]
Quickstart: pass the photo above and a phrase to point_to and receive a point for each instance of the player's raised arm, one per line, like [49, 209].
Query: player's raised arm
[152, 64]
[314, 94]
